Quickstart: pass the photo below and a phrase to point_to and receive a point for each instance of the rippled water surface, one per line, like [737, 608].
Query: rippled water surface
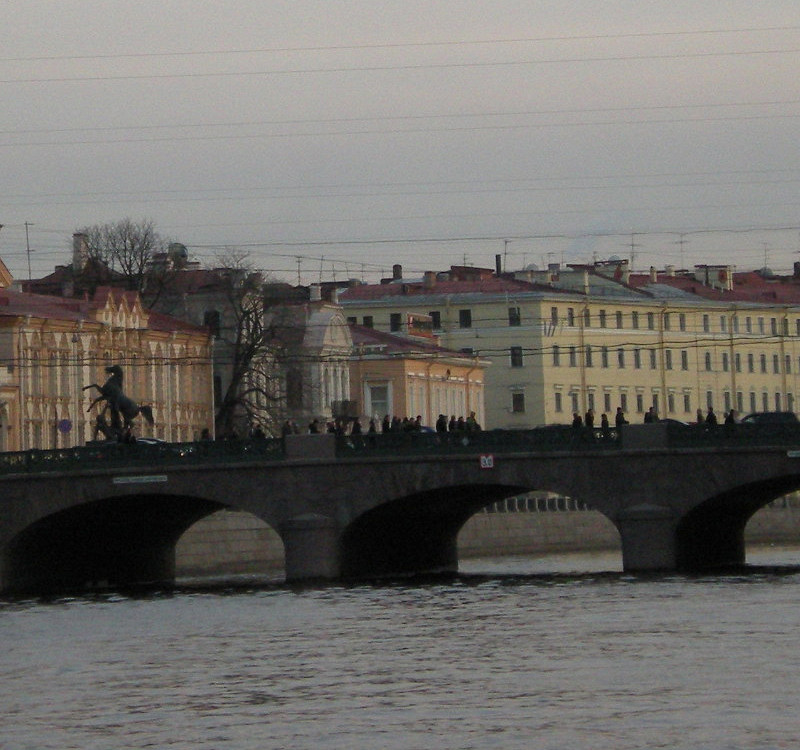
[496, 660]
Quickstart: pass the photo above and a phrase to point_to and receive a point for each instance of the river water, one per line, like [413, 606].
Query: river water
[513, 653]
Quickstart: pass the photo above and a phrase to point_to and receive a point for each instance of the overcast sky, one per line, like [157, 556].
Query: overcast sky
[341, 136]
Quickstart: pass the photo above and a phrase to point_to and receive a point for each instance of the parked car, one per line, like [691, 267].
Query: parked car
[771, 417]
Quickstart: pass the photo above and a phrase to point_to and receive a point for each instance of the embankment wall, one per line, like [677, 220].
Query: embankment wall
[229, 542]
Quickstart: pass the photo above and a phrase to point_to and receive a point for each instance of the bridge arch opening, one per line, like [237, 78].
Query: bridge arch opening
[227, 543]
[121, 542]
[712, 535]
[421, 533]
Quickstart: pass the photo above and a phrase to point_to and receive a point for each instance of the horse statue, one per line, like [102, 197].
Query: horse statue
[123, 409]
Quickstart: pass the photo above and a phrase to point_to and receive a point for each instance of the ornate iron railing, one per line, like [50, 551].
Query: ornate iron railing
[554, 438]
[543, 439]
[114, 455]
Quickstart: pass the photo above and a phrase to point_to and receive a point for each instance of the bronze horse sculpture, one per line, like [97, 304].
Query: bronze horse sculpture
[123, 409]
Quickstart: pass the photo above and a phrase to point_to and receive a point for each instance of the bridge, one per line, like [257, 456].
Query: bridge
[384, 505]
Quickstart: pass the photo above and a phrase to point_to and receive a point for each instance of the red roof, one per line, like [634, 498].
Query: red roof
[393, 344]
[748, 286]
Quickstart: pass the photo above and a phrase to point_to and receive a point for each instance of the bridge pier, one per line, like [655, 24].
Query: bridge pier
[311, 547]
[648, 538]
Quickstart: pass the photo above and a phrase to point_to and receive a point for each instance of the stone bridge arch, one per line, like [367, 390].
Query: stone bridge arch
[712, 534]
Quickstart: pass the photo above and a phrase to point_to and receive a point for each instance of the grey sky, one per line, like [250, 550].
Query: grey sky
[340, 130]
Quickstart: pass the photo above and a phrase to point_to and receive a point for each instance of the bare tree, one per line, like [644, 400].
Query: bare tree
[127, 249]
[250, 350]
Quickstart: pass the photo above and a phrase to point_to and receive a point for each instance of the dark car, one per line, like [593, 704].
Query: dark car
[771, 417]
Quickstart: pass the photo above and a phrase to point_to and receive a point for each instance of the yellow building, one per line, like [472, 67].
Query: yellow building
[410, 376]
[51, 348]
[567, 340]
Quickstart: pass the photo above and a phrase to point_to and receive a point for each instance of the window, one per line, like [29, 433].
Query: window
[518, 403]
[211, 320]
[726, 401]
[765, 401]
[776, 364]
[709, 400]
[573, 357]
[602, 315]
[671, 403]
[368, 322]
[639, 403]
[637, 359]
[465, 318]
[556, 355]
[753, 406]
[773, 326]
[777, 402]
[668, 359]
[352, 321]
[684, 359]
[706, 324]
[516, 356]
[619, 318]
[651, 321]
[725, 362]
[436, 319]
[763, 362]
[570, 316]
[737, 358]
[587, 318]
[514, 316]
[574, 398]
[682, 321]
[785, 326]
[667, 321]
[751, 365]
[378, 400]
[395, 321]
[708, 361]
[634, 319]
[558, 406]
[590, 399]
[620, 358]
[723, 323]
[761, 325]
[604, 356]
[739, 402]
[554, 316]
[294, 389]
[653, 359]
[748, 324]
[607, 402]
[735, 323]
[623, 401]
[588, 356]
[687, 403]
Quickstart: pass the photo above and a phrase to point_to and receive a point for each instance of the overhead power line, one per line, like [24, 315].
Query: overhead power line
[404, 45]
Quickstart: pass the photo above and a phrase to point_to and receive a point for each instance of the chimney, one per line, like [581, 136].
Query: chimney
[653, 275]
[429, 279]
[397, 272]
[670, 270]
[498, 264]
[315, 293]
[80, 251]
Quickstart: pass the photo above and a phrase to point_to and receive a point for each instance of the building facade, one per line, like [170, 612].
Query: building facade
[598, 337]
[52, 348]
[410, 376]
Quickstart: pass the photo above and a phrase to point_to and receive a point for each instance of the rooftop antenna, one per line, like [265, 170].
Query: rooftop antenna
[633, 245]
[28, 247]
[682, 242]
[298, 270]
[505, 254]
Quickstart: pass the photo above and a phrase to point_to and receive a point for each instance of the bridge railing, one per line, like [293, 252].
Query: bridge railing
[146, 455]
[553, 438]
[738, 435]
